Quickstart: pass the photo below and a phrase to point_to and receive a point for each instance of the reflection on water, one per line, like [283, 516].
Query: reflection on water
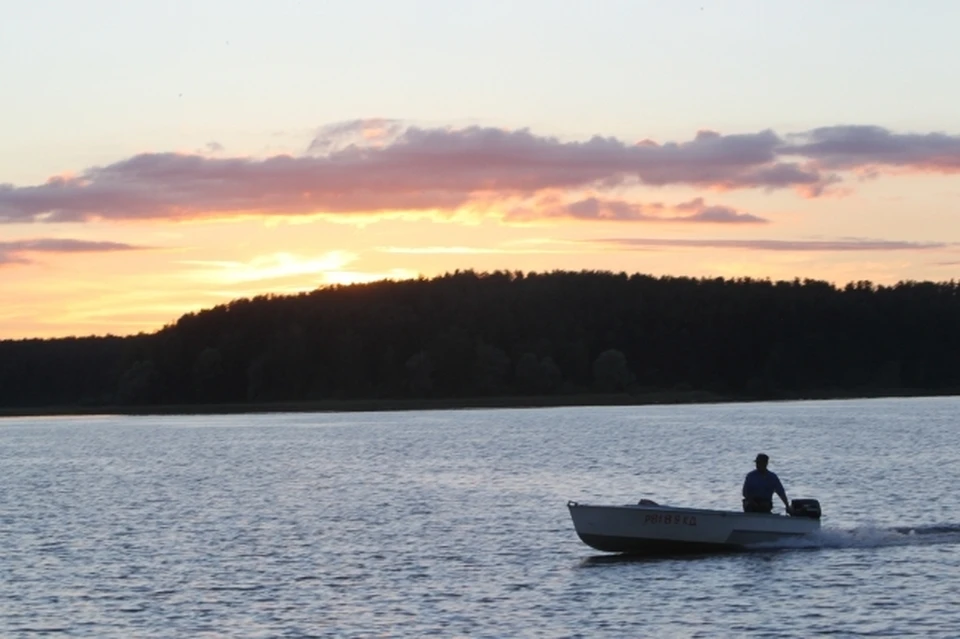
[454, 523]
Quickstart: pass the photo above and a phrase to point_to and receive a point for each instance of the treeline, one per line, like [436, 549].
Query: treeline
[470, 334]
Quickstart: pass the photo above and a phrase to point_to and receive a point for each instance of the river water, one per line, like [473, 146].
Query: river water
[454, 523]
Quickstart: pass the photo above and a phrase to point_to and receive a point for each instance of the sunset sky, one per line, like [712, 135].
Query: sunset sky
[161, 158]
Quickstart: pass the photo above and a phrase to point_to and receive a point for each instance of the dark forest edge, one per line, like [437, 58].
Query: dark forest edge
[470, 403]
[507, 339]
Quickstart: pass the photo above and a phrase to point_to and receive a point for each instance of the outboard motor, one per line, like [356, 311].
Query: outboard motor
[805, 508]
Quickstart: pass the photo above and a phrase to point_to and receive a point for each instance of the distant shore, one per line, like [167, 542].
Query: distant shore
[385, 405]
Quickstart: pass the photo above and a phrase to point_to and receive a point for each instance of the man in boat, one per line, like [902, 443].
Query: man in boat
[759, 487]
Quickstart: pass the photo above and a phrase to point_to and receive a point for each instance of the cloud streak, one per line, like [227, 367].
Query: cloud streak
[376, 166]
[823, 246]
[17, 252]
[600, 209]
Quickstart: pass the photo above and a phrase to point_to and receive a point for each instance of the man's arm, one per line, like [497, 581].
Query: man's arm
[782, 494]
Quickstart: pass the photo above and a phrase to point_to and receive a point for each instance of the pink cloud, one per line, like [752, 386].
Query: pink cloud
[600, 209]
[412, 169]
[17, 252]
[370, 166]
[339, 135]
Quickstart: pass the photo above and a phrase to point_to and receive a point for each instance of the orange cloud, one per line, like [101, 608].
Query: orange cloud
[841, 245]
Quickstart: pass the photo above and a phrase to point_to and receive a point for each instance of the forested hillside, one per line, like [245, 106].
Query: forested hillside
[467, 335]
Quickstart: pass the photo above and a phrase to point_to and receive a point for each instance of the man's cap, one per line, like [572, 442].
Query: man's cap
[762, 457]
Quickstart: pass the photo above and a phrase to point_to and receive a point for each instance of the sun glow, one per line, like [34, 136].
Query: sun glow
[356, 277]
[269, 267]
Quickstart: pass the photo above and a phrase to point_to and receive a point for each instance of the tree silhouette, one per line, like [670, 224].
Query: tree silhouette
[468, 334]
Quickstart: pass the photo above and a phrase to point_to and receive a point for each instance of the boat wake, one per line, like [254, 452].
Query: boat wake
[826, 538]
[870, 537]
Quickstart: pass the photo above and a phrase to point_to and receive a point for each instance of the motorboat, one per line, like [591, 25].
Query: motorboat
[650, 528]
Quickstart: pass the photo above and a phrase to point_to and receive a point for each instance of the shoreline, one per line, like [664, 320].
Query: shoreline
[462, 403]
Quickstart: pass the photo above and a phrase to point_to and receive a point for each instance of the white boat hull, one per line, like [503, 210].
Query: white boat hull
[654, 529]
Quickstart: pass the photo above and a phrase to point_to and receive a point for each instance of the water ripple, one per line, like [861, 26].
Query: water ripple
[453, 524]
